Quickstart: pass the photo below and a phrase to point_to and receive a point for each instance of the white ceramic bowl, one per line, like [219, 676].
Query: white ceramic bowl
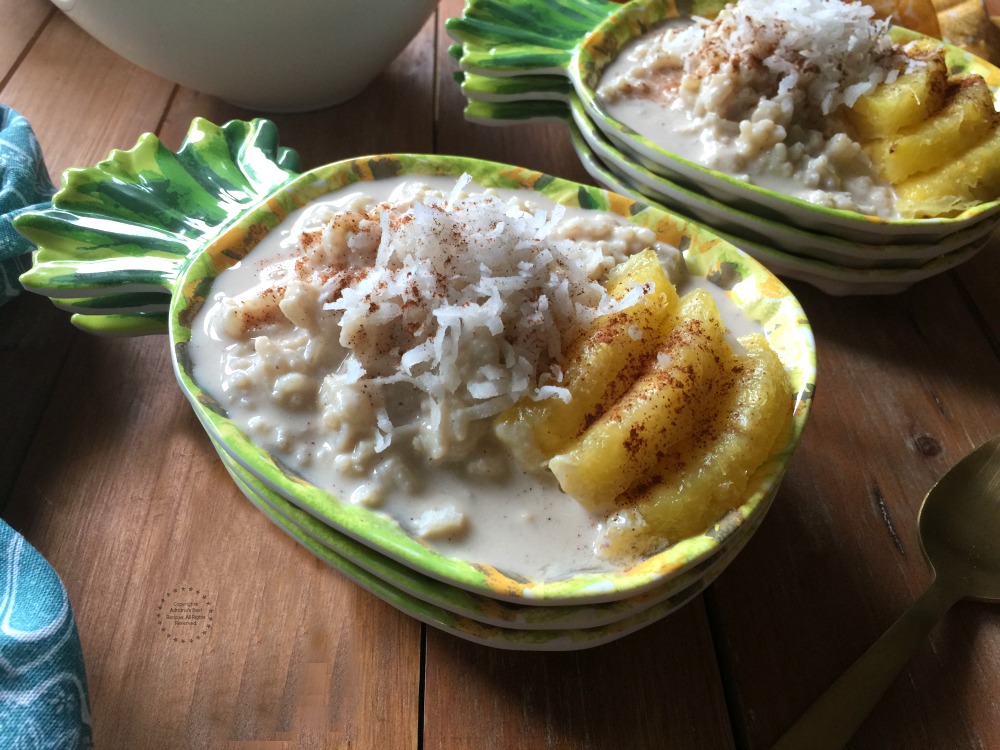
[293, 55]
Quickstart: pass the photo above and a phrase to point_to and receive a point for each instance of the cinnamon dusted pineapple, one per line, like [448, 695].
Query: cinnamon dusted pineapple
[705, 475]
[935, 137]
[599, 366]
[910, 99]
[966, 117]
[666, 425]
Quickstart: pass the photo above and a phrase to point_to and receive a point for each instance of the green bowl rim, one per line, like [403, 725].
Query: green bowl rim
[706, 255]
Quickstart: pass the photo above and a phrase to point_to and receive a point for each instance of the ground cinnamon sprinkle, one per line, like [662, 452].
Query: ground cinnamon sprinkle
[698, 394]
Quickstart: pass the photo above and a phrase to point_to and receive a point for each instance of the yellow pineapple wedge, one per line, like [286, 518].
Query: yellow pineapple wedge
[707, 474]
[642, 268]
[667, 404]
[965, 119]
[908, 100]
[599, 367]
[932, 136]
[972, 178]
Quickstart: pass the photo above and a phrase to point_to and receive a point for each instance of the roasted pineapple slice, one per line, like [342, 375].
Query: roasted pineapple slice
[599, 367]
[933, 137]
[641, 268]
[970, 179]
[966, 118]
[707, 474]
[666, 405]
[663, 430]
[910, 99]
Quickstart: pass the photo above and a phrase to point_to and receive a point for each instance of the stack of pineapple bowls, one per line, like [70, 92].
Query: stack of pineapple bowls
[844, 151]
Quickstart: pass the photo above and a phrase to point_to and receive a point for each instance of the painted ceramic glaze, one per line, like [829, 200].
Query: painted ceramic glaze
[149, 225]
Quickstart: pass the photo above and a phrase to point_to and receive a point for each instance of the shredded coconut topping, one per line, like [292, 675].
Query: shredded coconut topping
[469, 299]
[829, 50]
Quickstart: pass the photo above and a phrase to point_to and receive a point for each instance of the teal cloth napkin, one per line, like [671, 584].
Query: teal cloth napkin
[24, 184]
[43, 686]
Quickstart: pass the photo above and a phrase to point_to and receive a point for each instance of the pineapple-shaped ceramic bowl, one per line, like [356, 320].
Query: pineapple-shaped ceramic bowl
[134, 244]
[530, 59]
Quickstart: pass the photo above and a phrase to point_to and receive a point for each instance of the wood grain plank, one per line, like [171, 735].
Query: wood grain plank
[34, 339]
[82, 99]
[22, 20]
[978, 277]
[907, 385]
[141, 510]
[78, 118]
[637, 693]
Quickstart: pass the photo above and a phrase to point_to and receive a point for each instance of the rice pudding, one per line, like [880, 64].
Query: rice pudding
[372, 339]
[758, 93]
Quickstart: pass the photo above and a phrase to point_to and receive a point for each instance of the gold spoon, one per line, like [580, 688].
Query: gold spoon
[959, 526]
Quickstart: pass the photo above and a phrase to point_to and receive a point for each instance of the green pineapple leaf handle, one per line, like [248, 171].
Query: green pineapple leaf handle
[507, 113]
[123, 324]
[119, 234]
[513, 99]
[514, 88]
[504, 37]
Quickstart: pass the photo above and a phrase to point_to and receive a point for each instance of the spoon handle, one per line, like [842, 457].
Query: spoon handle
[833, 719]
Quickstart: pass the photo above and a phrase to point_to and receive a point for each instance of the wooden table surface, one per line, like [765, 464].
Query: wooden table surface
[104, 468]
